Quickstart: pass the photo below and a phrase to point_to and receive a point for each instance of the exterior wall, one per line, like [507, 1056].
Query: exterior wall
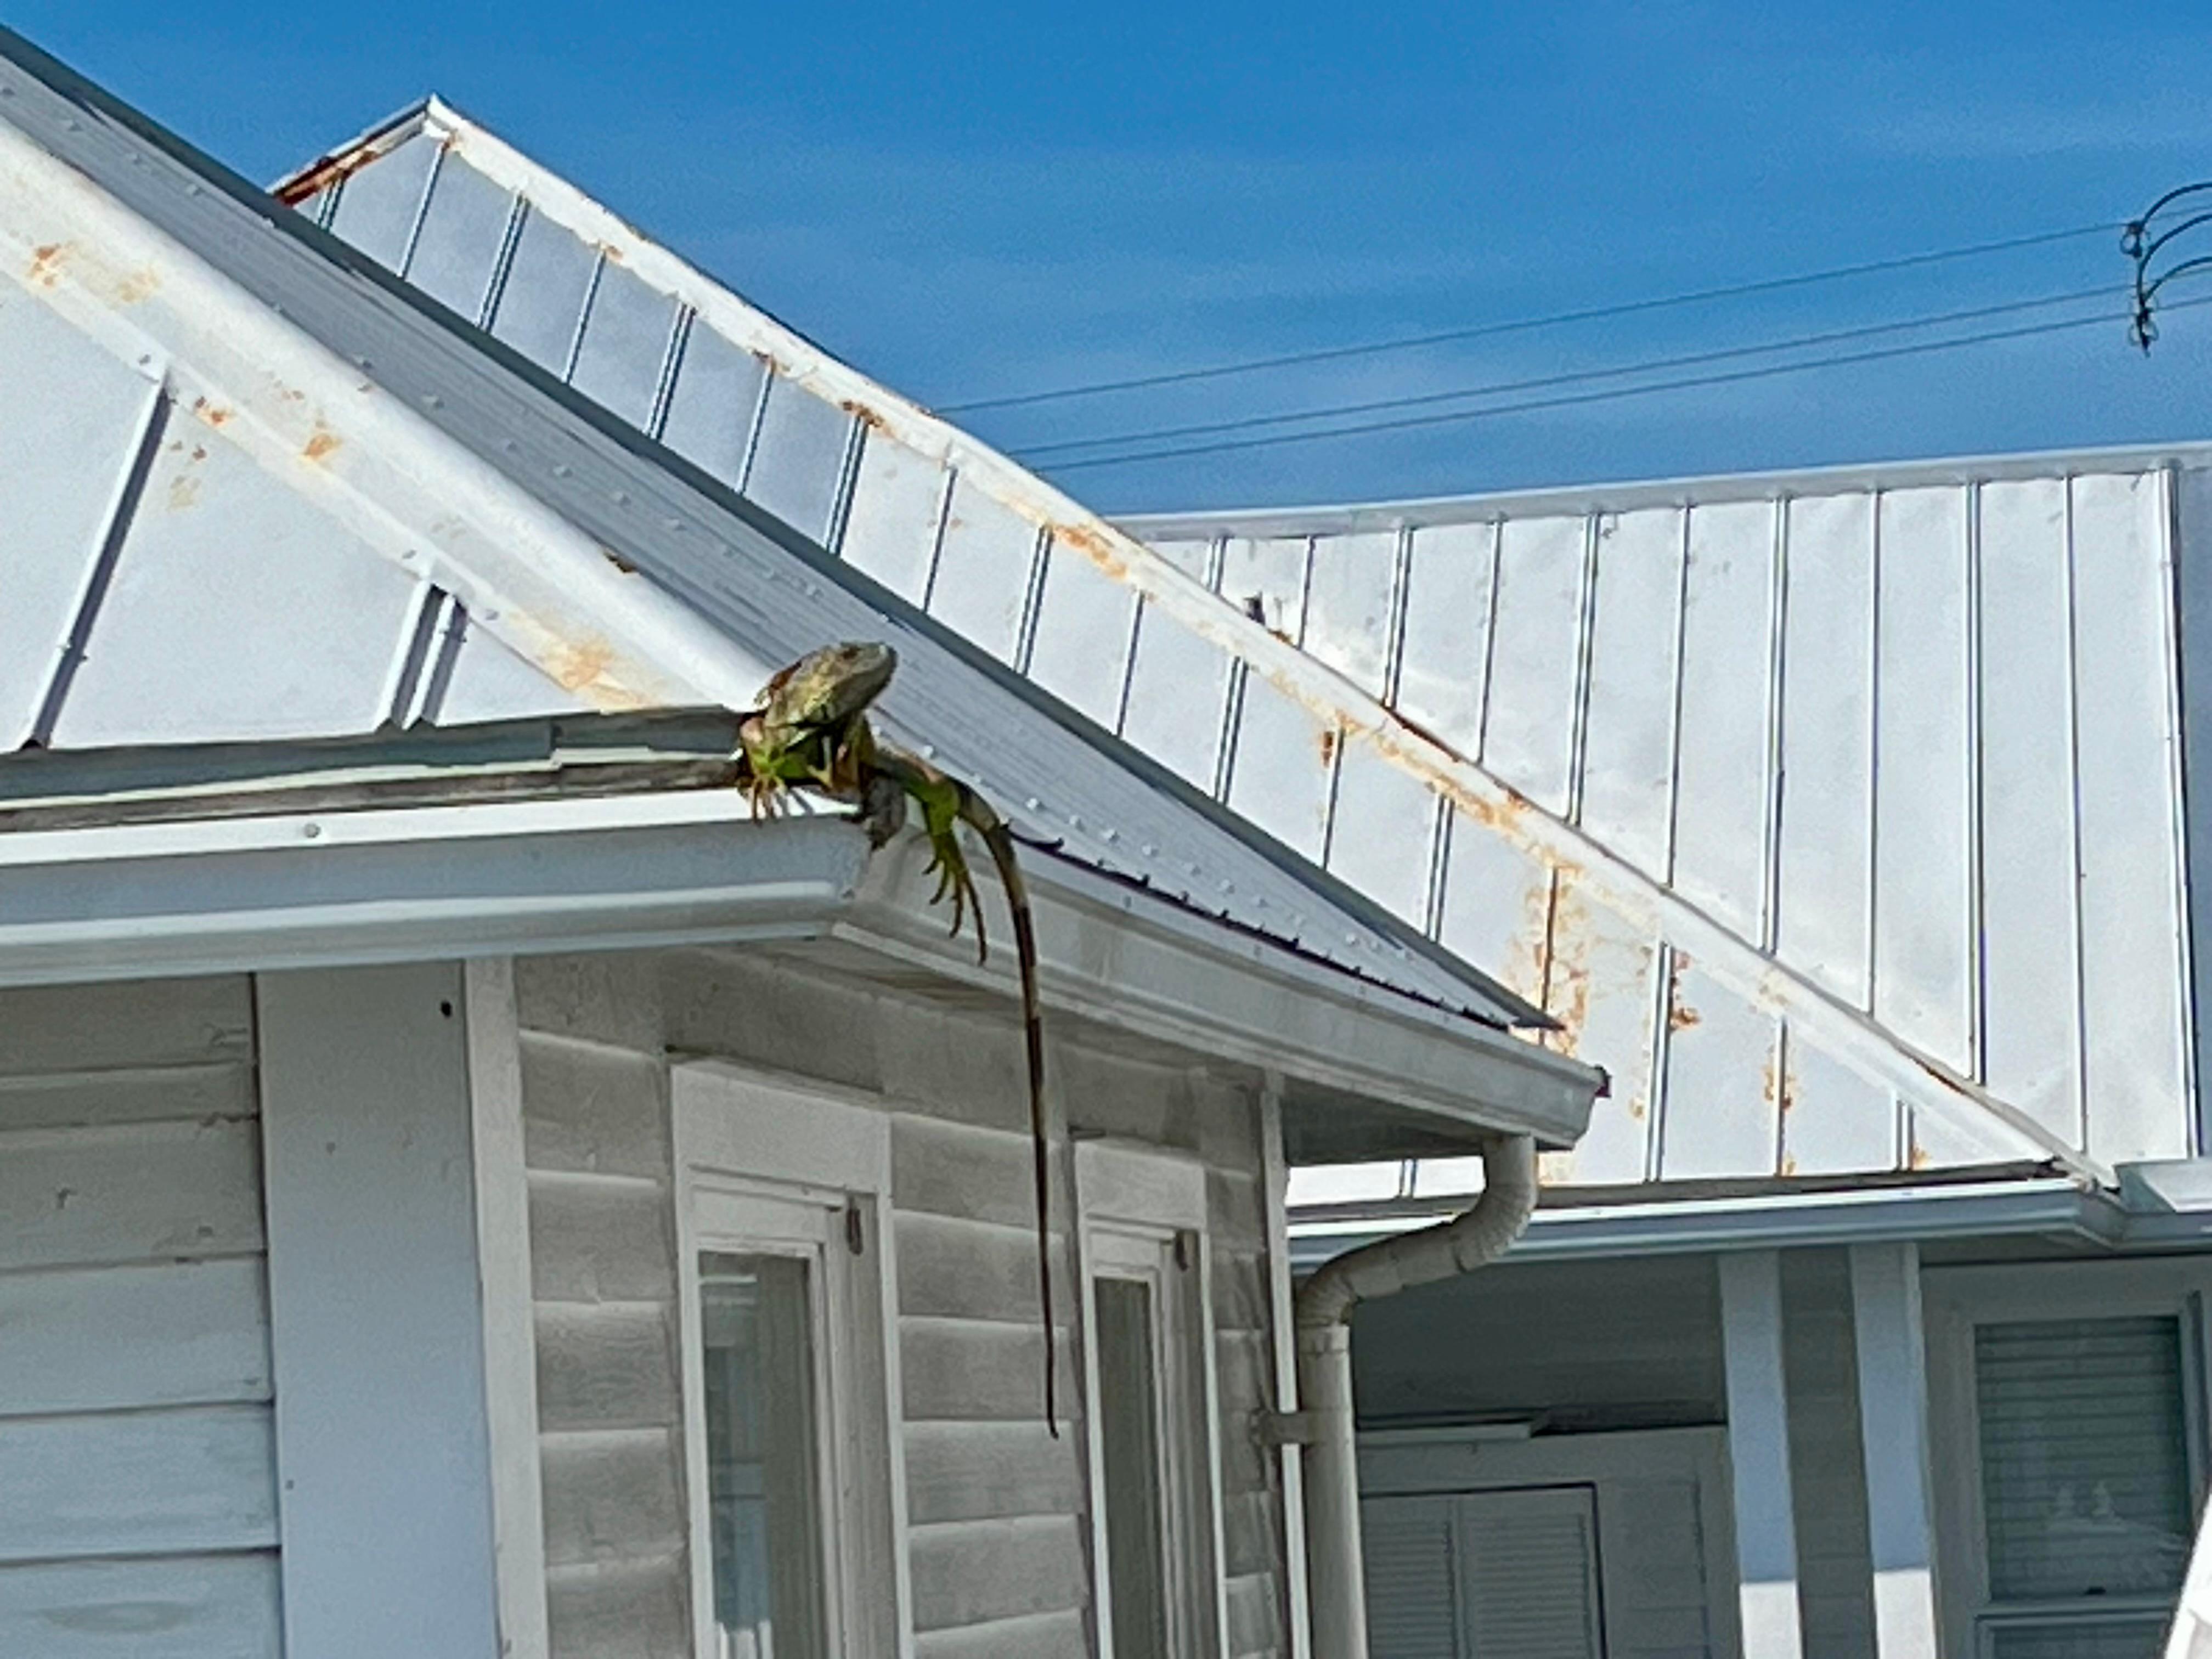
[996, 1543]
[597, 1142]
[136, 1450]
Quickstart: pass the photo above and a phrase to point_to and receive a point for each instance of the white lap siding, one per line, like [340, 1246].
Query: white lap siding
[603, 1269]
[997, 1539]
[137, 1485]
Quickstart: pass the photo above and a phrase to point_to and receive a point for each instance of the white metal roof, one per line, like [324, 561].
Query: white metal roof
[1804, 760]
[268, 492]
[1616, 745]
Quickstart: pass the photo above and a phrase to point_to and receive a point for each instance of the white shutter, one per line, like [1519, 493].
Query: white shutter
[1528, 1573]
[1499, 1575]
[1412, 1608]
[2085, 1471]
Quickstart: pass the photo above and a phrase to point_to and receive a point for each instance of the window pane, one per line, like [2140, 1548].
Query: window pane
[1136, 1575]
[2085, 1476]
[761, 1459]
[2102, 1638]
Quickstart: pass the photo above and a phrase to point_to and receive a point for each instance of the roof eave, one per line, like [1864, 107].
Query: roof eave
[338, 888]
[1129, 959]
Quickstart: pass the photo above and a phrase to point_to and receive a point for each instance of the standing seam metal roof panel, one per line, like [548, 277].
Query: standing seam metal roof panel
[1617, 746]
[765, 591]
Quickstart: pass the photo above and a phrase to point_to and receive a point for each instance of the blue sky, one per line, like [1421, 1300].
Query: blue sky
[972, 201]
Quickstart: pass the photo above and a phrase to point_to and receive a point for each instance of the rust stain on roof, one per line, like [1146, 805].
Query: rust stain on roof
[1680, 1017]
[321, 445]
[865, 416]
[331, 168]
[214, 414]
[46, 262]
[1095, 545]
[136, 286]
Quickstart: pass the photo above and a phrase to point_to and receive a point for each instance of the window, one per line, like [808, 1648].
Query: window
[1148, 1340]
[784, 1330]
[2070, 1397]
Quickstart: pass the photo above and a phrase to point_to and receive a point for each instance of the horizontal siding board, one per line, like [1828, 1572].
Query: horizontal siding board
[1045, 1635]
[137, 1483]
[606, 1367]
[148, 1095]
[594, 1109]
[1256, 1614]
[611, 1496]
[970, 1371]
[972, 1572]
[175, 1334]
[989, 1471]
[132, 1023]
[184, 1608]
[600, 1240]
[954, 1170]
[960, 1270]
[631, 1610]
[1251, 1531]
[129, 1193]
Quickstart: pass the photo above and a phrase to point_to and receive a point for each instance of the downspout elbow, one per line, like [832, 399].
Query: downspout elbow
[1474, 1239]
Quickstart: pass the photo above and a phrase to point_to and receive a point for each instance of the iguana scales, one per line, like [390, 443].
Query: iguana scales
[812, 731]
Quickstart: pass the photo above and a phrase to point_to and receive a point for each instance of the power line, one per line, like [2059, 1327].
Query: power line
[1685, 360]
[1687, 383]
[1591, 313]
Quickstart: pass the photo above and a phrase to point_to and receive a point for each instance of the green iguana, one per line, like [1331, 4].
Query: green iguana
[812, 731]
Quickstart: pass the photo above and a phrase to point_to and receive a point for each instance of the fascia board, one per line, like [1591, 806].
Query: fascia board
[140, 901]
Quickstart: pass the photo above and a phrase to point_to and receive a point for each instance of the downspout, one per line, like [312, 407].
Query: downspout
[1325, 1301]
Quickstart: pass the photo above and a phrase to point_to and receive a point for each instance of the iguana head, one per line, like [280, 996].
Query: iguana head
[827, 686]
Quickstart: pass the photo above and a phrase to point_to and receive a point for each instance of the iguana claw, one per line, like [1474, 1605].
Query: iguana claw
[950, 866]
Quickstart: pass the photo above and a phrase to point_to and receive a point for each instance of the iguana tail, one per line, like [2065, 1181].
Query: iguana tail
[944, 800]
[977, 814]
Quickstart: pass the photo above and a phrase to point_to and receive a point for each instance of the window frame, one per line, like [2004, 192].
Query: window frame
[769, 1164]
[1135, 1207]
[1959, 1300]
